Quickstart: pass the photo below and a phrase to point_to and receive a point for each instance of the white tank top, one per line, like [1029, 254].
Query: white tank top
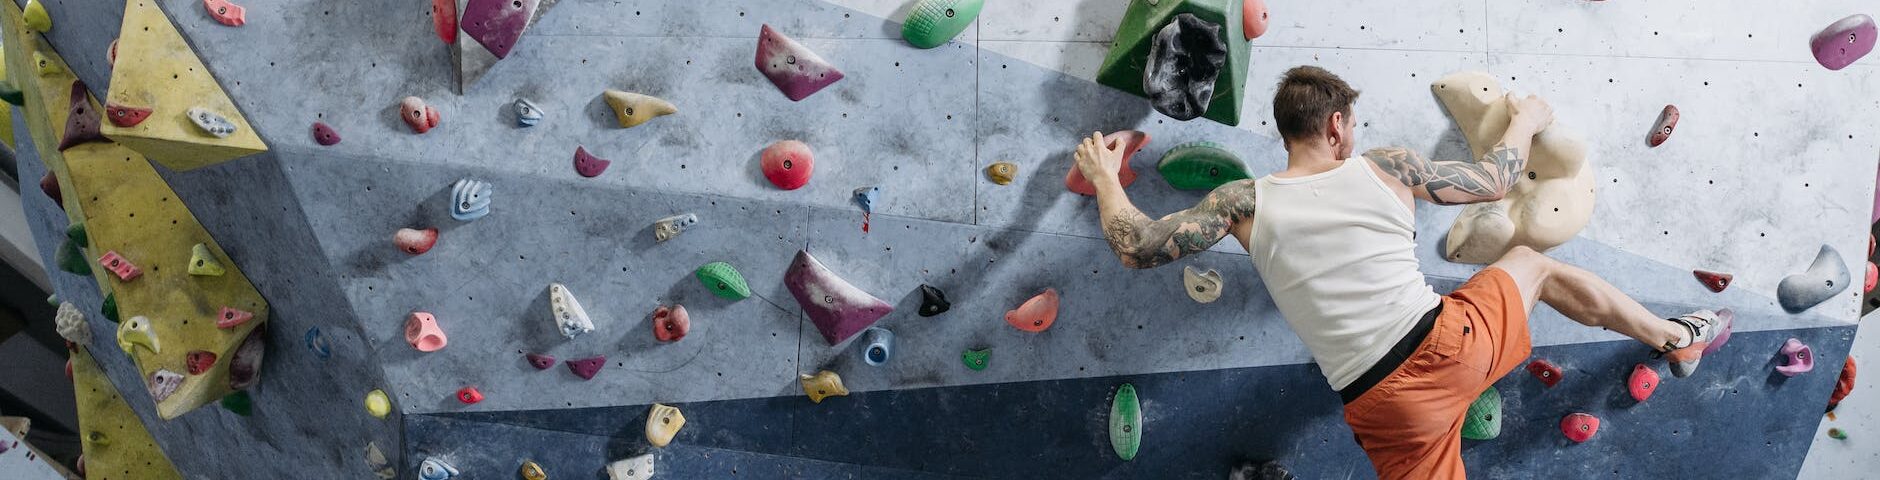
[1336, 250]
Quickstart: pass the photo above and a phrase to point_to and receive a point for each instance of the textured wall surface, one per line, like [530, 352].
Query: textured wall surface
[1769, 163]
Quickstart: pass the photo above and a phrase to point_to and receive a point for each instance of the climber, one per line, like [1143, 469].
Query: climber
[1333, 238]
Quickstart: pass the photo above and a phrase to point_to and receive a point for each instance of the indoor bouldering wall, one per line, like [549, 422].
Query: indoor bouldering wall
[1769, 162]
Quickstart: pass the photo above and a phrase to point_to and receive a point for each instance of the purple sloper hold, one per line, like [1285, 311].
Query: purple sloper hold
[1844, 41]
[497, 24]
[839, 309]
[540, 361]
[586, 368]
[245, 367]
[796, 70]
[1798, 358]
[82, 121]
[588, 165]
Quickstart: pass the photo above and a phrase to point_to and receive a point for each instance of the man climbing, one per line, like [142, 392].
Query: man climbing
[1333, 237]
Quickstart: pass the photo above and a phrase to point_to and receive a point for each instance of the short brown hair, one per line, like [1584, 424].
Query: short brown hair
[1307, 95]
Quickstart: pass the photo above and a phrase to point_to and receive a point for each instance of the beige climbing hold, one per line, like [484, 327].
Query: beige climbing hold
[376, 461]
[569, 317]
[636, 468]
[823, 384]
[633, 109]
[137, 332]
[163, 383]
[378, 404]
[1551, 201]
[1204, 287]
[663, 423]
[1002, 172]
[71, 324]
[46, 65]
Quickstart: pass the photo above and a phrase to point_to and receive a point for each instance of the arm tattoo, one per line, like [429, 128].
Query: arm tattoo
[1455, 183]
[1143, 243]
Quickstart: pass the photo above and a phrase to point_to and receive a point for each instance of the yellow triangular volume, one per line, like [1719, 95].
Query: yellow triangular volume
[157, 70]
[114, 440]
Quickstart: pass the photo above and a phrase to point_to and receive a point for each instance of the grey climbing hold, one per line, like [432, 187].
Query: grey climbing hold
[470, 199]
[162, 383]
[527, 114]
[568, 314]
[636, 468]
[879, 346]
[210, 122]
[435, 468]
[1204, 287]
[1184, 60]
[932, 301]
[672, 226]
[1824, 279]
[71, 324]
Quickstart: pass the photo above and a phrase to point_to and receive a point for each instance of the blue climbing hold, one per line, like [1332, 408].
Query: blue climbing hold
[317, 343]
[527, 114]
[865, 197]
[470, 199]
[435, 468]
[880, 346]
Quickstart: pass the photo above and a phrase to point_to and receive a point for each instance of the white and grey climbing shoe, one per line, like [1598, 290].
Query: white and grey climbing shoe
[1709, 330]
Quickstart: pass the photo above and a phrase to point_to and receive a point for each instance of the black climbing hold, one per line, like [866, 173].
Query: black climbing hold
[932, 301]
[1184, 60]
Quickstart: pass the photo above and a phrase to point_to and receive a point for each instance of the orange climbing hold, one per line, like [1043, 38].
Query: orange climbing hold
[1844, 385]
[227, 13]
[1253, 17]
[1037, 314]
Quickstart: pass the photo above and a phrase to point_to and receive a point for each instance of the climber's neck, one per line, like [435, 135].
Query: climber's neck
[1308, 158]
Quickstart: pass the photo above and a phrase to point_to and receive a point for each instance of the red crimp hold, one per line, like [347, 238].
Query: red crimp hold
[587, 368]
[227, 13]
[200, 361]
[1644, 381]
[324, 134]
[1130, 141]
[444, 19]
[1579, 427]
[469, 395]
[671, 323]
[1545, 371]
[1667, 121]
[231, 318]
[1714, 281]
[541, 361]
[125, 116]
[119, 266]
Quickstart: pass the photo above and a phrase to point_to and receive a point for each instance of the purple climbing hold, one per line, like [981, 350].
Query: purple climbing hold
[541, 361]
[497, 24]
[589, 165]
[82, 125]
[245, 366]
[586, 368]
[1844, 41]
[1799, 358]
[796, 70]
[839, 309]
[324, 134]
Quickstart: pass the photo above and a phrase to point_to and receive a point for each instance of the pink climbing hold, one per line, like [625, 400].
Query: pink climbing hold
[1131, 141]
[793, 68]
[231, 317]
[125, 116]
[199, 361]
[541, 361]
[1844, 41]
[497, 24]
[124, 270]
[1037, 314]
[1643, 382]
[788, 164]
[422, 332]
[324, 134]
[839, 309]
[1667, 121]
[1873, 277]
[1253, 18]
[111, 55]
[586, 368]
[413, 241]
[1799, 358]
[444, 19]
[1714, 281]
[1579, 427]
[227, 13]
[589, 165]
[422, 118]
[671, 323]
[1545, 371]
[469, 395]
[82, 122]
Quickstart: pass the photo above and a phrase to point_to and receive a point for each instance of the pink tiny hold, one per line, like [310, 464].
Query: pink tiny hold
[1253, 16]
[793, 68]
[788, 164]
[124, 270]
[1873, 277]
[541, 361]
[324, 135]
[586, 368]
[422, 118]
[589, 165]
[415, 242]
[1667, 122]
[469, 395]
[227, 13]
[231, 318]
[1579, 427]
[422, 332]
[1643, 382]
[1799, 358]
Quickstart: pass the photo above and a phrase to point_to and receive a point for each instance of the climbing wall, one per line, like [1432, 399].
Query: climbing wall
[1768, 164]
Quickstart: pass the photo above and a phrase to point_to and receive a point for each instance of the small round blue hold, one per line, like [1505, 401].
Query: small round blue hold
[317, 343]
[879, 346]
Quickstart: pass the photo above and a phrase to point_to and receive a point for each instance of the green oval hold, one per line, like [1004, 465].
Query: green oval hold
[934, 22]
[976, 359]
[723, 280]
[76, 233]
[239, 403]
[1484, 420]
[1201, 166]
[110, 307]
[1125, 422]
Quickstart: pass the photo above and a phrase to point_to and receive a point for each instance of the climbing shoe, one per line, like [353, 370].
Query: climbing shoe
[1709, 330]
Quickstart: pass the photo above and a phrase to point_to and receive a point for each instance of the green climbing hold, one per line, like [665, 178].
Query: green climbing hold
[76, 233]
[52, 300]
[976, 359]
[1125, 422]
[1201, 166]
[239, 403]
[1484, 420]
[1130, 46]
[202, 262]
[110, 307]
[12, 94]
[1837, 434]
[723, 280]
[71, 259]
[934, 22]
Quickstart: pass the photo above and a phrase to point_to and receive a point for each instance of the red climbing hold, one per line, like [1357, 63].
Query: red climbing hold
[324, 134]
[414, 241]
[111, 55]
[82, 123]
[125, 116]
[1253, 18]
[1035, 315]
[422, 118]
[788, 164]
[1844, 385]
[1667, 121]
[469, 395]
[444, 19]
[1873, 275]
[1714, 281]
[231, 318]
[227, 13]
[589, 165]
[49, 185]
[124, 270]
[1545, 371]
[671, 323]
[68, 365]
[586, 368]
[1579, 427]
[540, 361]
[1131, 141]
[1644, 381]
[200, 361]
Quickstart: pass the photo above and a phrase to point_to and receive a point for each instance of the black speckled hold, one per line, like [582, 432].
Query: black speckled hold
[932, 301]
[1184, 60]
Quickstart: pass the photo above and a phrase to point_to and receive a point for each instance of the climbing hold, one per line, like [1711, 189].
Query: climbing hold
[1667, 121]
[378, 404]
[46, 65]
[931, 23]
[231, 318]
[1843, 385]
[666, 228]
[497, 24]
[1253, 16]
[422, 118]
[662, 424]
[1643, 382]
[633, 109]
[422, 332]
[788, 164]
[210, 122]
[244, 366]
[226, 13]
[82, 121]
[1825, 278]
[1547, 208]
[444, 20]
[1184, 62]
[671, 323]
[838, 308]
[163, 383]
[1844, 41]
[1002, 173]
[569, 317]
[470, 199]
[1837, 434]
[587, 368]
[49, 185]
[588, 165]
[793, 68]
[71, 259]
[199, 361]
[1579, 427]
[527, 114]
[323, 134]
[1873, 278]
[541, 361]
[469, 395]
[375, 460]
[976, 359]
[1545, 371]
[110, 57]
[1267, 470]
[723, 280]
[119, 266]
[109, 308]
[532, 471]
[1131, 141]
[1125, 422]
[37, 20]
[932, 301]
[413, 241]
[125, 116]
[1799, 358]
[1204, 287]
[71, 324]
[1714, 281]
[435, 468]
[1200, 166]
[1484, 417]
[880, 346]
[12, 94]
[316, 342]
[822, 385]
[239, 403]
[202, 262]
[866, 197]
[1036, 314]
[636, 468]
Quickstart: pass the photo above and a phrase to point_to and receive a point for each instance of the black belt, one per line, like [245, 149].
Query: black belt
[1398, 354]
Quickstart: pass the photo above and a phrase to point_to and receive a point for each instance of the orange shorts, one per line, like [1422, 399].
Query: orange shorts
[1410, 423]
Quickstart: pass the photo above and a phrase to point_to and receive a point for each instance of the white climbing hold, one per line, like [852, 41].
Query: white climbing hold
[636, 468]
[527, 114]
[71, 324]
[211, 122]
[672, 226]
[435, 468]
[162, 383]
[136, 331]
[1204, 287]
[569, 316]
[470, 199]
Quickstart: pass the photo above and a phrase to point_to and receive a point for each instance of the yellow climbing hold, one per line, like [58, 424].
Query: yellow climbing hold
[823, 384]
[114, 440]
[202, 262]
[532, 471]
[662, 424]
[46, 65]
[136, 333]
[377, 404]
[37, 20]
[1002, 172]
[633, 109]
[157, 69]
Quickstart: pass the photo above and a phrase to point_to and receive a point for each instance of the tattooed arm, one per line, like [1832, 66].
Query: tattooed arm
[1141, 242]
[1485, 180]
